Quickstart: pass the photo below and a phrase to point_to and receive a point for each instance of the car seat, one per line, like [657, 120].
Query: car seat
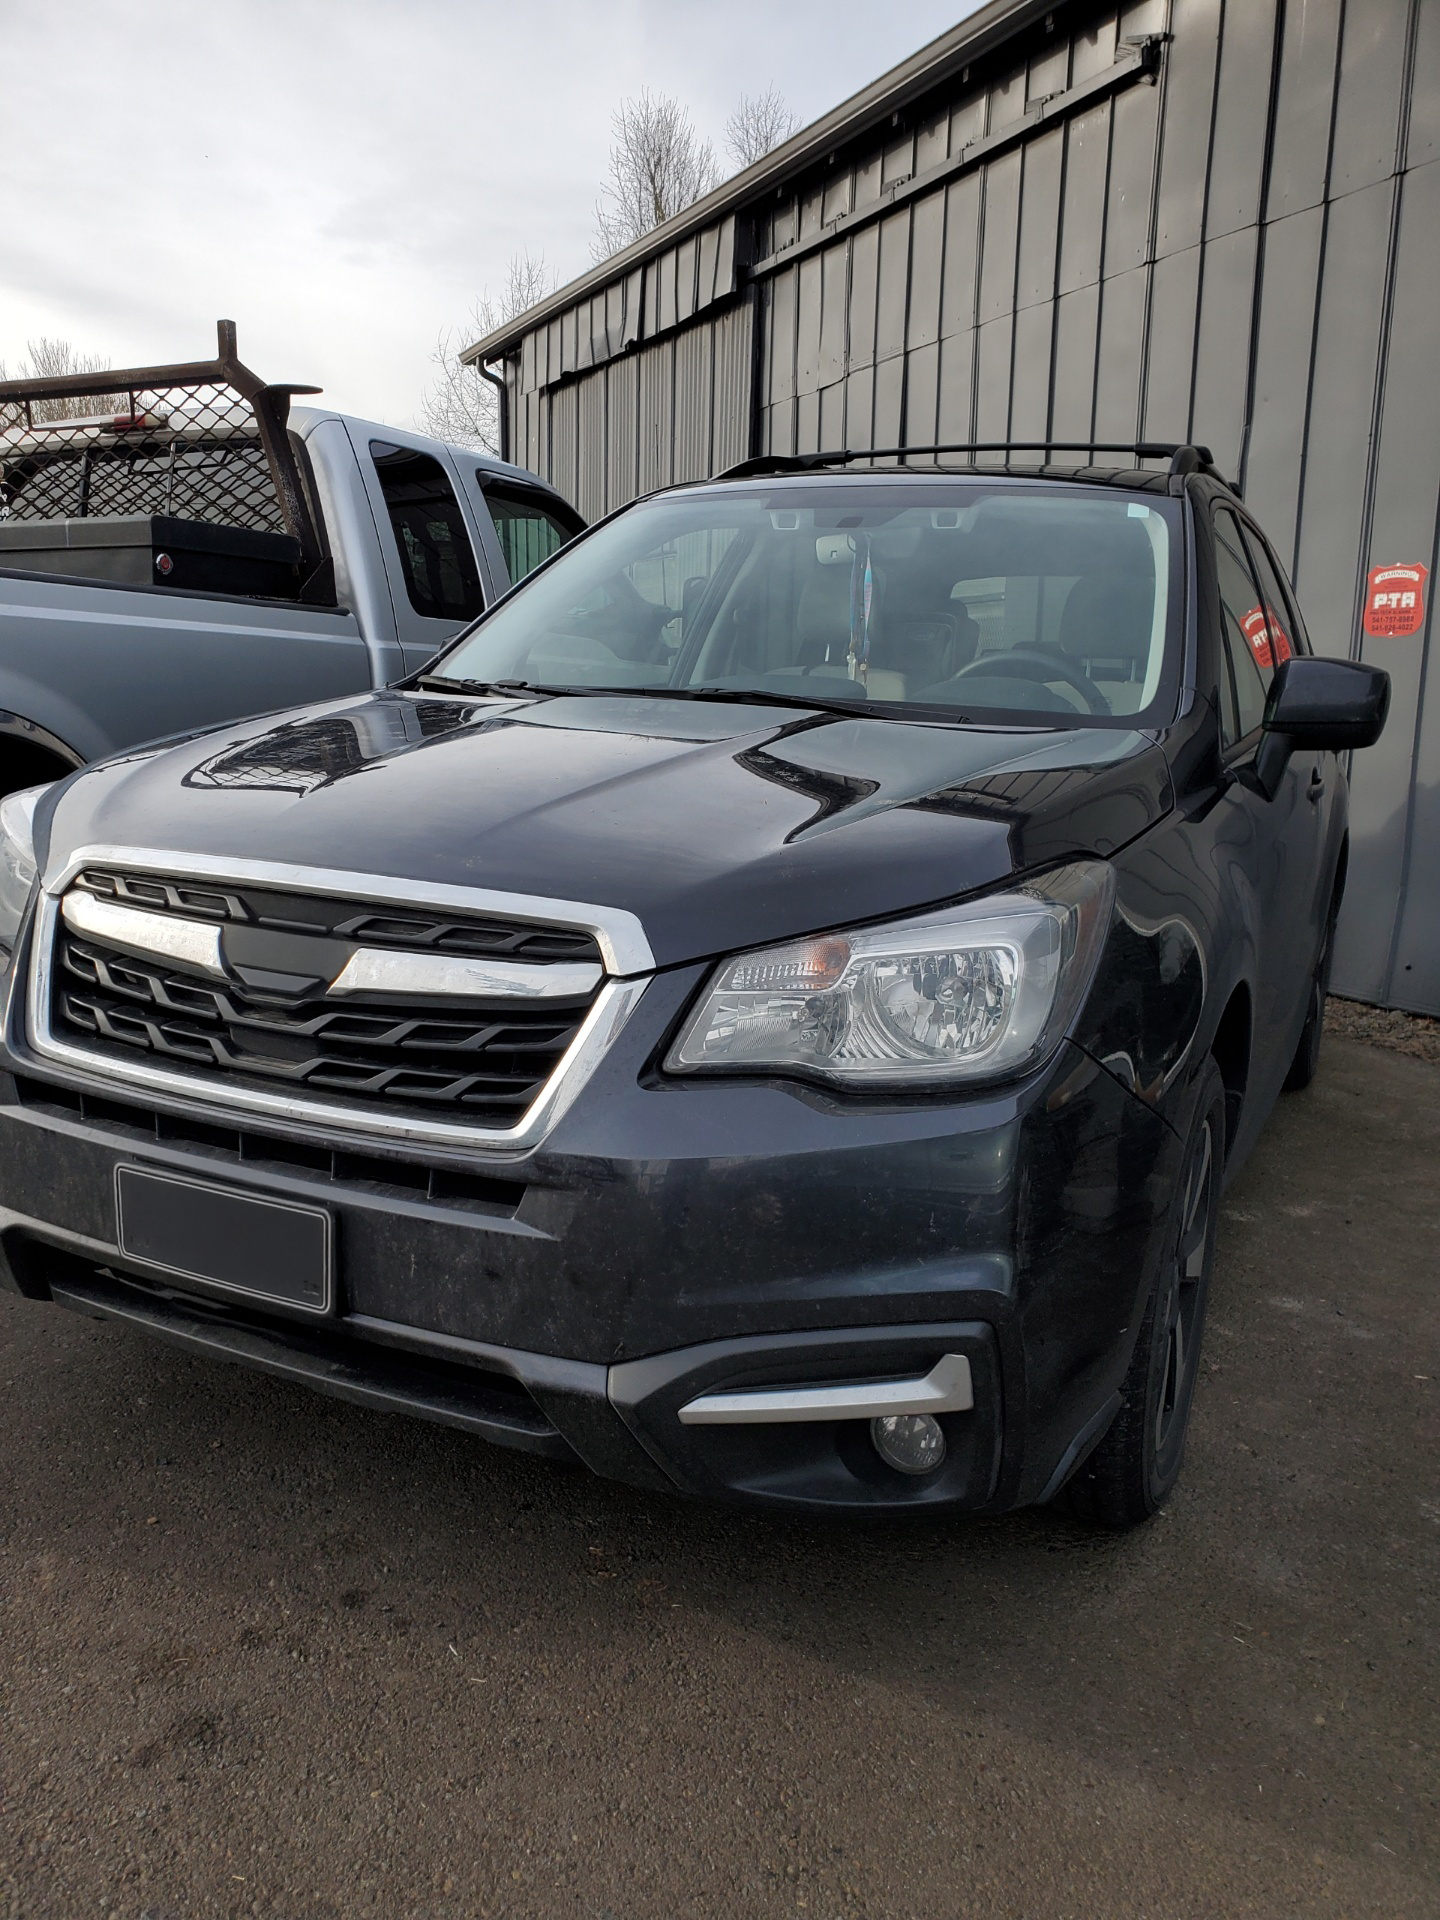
[928, 636]
[822, 629]
[1106, 627]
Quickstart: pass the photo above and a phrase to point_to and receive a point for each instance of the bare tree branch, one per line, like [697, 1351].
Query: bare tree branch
[460, 405]
[51, 359]
[760, 123]
[659, 165]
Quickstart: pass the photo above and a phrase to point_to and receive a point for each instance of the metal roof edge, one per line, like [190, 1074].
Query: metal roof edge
[979, 34]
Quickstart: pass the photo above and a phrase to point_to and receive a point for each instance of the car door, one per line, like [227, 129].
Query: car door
[433, 557]
[1278, 842]
[1318, 773]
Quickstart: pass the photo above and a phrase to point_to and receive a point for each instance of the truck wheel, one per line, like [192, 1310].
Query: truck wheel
[1132, 1471]
[24, 764]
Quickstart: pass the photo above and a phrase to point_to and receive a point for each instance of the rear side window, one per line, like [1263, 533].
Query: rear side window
[1248, 665]
[1286, 638]
[530, 528]
[436, 557]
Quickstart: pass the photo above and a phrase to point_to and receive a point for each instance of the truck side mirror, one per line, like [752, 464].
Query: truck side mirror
[1319, 706]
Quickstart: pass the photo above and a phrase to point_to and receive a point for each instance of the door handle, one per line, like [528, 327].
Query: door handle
[1317, 783]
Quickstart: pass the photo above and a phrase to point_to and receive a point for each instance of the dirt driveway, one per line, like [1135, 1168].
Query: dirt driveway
[262, 1653]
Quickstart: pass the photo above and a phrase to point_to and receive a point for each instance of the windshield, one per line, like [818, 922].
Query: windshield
[1001, 601]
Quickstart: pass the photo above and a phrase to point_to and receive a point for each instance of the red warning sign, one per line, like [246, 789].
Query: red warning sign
[1263, 627]
[1395, 601]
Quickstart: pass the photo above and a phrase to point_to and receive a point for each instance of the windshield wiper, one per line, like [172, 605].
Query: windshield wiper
[444, 683]
[733, 696]
[741, 696]
[767, 697]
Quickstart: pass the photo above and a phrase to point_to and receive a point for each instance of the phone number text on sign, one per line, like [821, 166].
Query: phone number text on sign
[1395, 601]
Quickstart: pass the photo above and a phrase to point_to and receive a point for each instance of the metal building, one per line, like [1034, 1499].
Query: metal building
[1215, 220]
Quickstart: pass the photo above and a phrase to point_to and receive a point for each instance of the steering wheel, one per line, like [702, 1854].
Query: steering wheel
[1035, 663]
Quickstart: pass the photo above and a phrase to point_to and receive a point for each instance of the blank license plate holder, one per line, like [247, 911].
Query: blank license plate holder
[278, 1251]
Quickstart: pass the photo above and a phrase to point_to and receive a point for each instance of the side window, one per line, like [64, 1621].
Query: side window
[1246, 635]
[1287, 633]
[529, 527]
[436, 559]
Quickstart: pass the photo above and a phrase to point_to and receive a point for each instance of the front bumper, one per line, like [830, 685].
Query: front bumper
[666, 1241]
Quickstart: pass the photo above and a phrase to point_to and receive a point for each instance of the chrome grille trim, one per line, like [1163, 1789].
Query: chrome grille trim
[191, 943]
[200, 944]
[379, 970]
[618, 934]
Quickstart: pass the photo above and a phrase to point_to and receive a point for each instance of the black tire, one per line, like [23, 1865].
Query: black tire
[23, 764]
[1132, 1471]
[1306, 1063]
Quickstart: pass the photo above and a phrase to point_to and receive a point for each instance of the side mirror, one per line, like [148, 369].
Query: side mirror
[1319, 706]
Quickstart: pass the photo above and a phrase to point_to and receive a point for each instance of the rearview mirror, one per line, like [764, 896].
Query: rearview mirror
[1319, 706]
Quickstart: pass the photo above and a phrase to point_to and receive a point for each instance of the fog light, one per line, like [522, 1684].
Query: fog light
[909, 1442]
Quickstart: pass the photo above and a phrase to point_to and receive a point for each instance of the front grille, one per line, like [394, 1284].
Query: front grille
[365, 924]
[478, 1062]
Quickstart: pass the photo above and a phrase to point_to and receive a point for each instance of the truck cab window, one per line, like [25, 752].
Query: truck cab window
[436, 558]
[529, 529]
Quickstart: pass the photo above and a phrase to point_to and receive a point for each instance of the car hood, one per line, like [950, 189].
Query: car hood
[719, 826]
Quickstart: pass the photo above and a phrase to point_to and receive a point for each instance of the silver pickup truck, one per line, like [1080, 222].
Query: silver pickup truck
[181, 546]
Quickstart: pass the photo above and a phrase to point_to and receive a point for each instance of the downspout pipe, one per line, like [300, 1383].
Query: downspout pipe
[497, 380]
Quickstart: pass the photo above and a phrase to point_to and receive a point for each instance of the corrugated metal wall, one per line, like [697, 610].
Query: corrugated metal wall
[1240, 246]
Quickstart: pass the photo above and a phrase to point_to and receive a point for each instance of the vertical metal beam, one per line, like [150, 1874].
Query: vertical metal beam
[271, 407]
[758, 345]
[1267, 162]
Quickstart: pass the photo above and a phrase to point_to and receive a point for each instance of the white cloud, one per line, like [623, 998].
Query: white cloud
[342, 177]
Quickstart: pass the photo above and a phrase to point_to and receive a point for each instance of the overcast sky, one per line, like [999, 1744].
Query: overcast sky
[343, 177]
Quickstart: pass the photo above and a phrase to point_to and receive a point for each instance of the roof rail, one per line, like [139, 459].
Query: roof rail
[1192, 460]
[1183, 457]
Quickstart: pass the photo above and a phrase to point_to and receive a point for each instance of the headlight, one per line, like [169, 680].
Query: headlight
[970, 993]
[17, 863]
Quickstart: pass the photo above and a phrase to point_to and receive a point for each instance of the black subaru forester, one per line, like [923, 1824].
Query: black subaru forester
[767, 1014]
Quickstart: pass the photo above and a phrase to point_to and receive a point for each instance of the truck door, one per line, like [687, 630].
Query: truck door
[434, 562]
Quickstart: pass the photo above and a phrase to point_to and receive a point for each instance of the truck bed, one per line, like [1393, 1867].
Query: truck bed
[124, 663]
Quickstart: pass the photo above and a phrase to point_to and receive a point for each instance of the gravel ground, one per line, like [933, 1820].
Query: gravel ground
[266, 1654]
[1412, 1033]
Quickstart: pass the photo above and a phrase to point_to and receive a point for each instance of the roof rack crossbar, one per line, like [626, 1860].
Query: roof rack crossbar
[1183, 457]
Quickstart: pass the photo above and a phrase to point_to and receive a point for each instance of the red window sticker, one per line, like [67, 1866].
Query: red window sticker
[1395, 601]
[1262, 625]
